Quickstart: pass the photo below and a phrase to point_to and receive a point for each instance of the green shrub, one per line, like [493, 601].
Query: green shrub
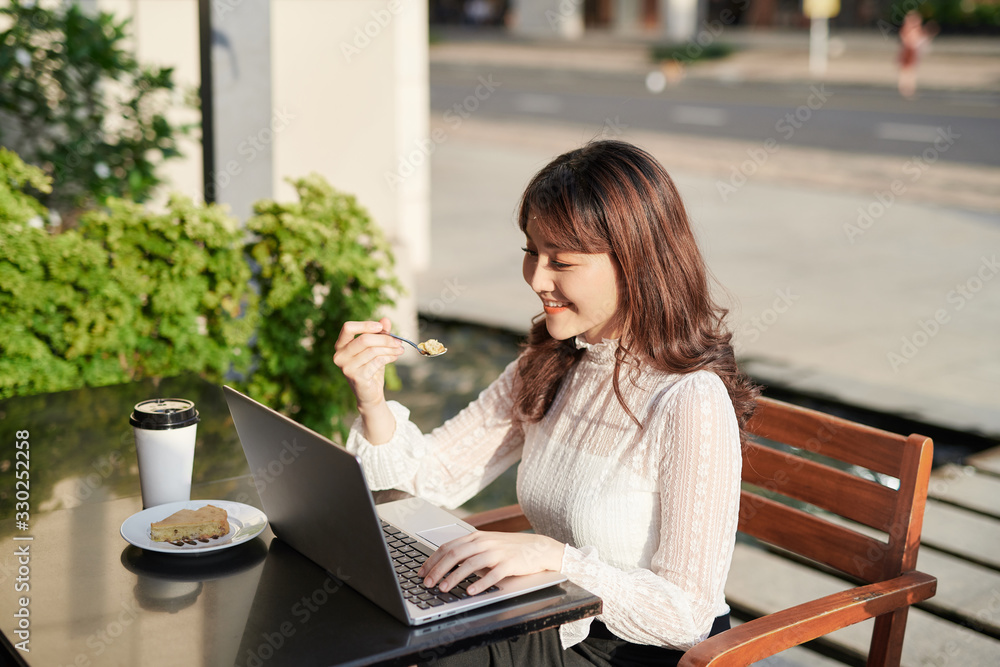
[77, 104]
[59, 313]
[320, 262]
[129, 294]
[184, 274]
[133, 294]
[15, 177]
[691, 52]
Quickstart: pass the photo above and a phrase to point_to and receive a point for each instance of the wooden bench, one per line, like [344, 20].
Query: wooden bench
[807, 479]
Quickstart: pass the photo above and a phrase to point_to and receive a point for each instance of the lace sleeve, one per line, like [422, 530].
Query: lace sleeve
[453, 462]
[675, 601]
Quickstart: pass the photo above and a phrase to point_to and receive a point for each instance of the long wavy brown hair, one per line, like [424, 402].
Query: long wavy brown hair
[613, 197]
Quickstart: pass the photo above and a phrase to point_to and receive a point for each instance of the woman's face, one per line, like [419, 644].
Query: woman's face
[579, 292]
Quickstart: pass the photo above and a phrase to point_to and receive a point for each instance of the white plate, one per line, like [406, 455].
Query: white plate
[245, 523]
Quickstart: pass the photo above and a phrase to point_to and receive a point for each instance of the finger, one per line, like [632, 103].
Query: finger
[353, 360]
[480, 563]
[444, 559]
[486, 580]
[366, 341]
[352, 329]
[368, 349]
[471, 558]
[372, 339]
[438, 565]
[478, 559]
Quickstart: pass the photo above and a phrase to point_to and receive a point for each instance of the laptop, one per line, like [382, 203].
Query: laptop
[317, 500]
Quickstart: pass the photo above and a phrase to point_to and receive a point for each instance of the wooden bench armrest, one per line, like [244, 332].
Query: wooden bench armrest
[509, 519]
[771, 634]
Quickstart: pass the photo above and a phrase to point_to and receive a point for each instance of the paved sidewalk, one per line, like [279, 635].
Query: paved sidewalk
[864, 58]
[842, 288]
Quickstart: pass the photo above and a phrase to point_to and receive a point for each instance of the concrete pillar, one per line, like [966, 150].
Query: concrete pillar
[351, 76]
[245, 127]
[628, 17]
[540, 19]
[679, 19]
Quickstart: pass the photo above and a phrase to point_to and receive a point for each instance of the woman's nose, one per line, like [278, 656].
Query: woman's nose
[538, 278]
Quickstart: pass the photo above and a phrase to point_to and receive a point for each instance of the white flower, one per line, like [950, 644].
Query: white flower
[22, 57]
[36, 222]
[54, 218]
[320, 293]
[102, 170]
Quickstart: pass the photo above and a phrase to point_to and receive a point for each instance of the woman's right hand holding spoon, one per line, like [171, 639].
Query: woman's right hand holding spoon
[363, 351]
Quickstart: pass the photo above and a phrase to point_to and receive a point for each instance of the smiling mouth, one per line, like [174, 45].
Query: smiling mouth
[554, 306]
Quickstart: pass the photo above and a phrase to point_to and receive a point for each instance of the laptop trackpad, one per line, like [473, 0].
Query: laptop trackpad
[443, 534]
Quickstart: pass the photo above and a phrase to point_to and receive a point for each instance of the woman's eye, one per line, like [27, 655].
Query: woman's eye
[553, 263]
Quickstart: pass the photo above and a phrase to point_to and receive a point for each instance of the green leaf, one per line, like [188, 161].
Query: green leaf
[309, 255]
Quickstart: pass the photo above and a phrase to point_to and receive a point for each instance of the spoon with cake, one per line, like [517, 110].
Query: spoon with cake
[428, 348]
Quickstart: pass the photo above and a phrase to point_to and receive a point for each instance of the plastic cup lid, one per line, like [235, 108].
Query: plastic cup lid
[160, 414]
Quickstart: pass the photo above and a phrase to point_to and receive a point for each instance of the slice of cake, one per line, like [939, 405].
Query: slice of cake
[190, 525]
[432, 346]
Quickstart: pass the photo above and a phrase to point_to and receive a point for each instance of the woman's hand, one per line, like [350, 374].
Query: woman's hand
[494, 556]
[362, 354]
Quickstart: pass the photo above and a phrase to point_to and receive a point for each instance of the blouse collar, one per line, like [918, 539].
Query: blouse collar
[602, 353]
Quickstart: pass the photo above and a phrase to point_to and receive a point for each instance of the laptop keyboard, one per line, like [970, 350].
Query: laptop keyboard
[407, 559]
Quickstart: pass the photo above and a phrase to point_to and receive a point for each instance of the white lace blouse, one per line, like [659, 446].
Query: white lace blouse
[648, 514]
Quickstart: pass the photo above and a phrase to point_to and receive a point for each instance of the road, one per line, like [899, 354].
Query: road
[962, 127]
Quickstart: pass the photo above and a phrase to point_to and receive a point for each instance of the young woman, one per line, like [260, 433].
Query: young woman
[914, 39]
[625, 409]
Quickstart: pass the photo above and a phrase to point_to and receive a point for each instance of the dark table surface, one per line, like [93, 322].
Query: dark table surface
[80, 595]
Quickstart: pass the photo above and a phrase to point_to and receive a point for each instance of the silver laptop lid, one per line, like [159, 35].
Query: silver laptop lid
[317, 500]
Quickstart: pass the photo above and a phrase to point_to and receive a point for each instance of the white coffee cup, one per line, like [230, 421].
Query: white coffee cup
[165, 431]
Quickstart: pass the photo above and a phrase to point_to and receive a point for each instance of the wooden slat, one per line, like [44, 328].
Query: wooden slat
[810, 536]
[987, 460]
[964, 533]
[964, 589]
[935, 642]
[827, 435]
[836, 491]
[966, 486]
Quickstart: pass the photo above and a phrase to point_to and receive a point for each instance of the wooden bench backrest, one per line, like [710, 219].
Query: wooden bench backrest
[803, 475]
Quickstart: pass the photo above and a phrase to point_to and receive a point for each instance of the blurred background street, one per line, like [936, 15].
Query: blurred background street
[853, 233]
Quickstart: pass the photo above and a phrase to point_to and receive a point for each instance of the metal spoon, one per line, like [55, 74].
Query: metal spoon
[416, 347]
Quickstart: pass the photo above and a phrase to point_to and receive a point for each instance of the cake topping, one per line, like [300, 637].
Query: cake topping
[432, 346]
[188, 526]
